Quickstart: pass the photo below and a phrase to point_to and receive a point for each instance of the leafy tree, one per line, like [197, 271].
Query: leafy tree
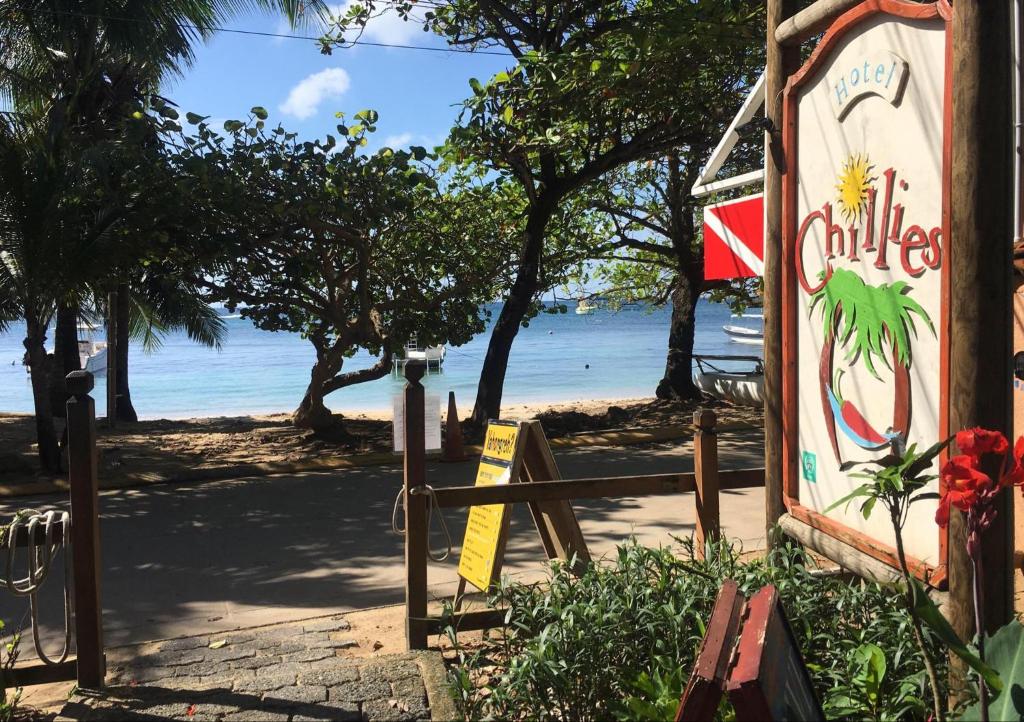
[76, 71]
[655, 251]
[353, 251]
[593, 86]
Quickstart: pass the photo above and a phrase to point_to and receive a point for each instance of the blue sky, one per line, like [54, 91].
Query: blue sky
[416, 92]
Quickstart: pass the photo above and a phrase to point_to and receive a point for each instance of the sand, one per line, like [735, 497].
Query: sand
[169, 448]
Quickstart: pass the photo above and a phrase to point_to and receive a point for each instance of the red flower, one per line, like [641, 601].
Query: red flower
[964, 484]
[977, 441]
[1014, 470]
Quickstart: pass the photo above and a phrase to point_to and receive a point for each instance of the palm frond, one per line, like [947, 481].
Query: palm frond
[868, 320]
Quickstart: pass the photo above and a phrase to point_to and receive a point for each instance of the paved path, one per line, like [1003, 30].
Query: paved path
[281, 673]
[183, 559]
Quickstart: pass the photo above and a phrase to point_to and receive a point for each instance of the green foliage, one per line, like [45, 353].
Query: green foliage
[1004, 651]
[620, 640]
[351, 250]
[898, 481]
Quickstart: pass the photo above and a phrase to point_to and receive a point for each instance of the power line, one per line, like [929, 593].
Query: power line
[368, 43]
[287, 36]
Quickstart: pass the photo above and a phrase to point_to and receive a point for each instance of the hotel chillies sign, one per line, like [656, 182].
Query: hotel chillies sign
[866, 241]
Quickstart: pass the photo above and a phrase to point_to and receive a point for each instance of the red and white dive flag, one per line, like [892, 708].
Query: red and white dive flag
[734, 238]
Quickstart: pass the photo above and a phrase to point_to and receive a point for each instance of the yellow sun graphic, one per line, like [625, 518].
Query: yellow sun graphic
[855, 181]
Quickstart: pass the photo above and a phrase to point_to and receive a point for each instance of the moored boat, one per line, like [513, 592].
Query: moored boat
[740, 386]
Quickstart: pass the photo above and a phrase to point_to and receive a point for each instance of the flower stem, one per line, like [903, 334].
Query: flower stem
[929, 665]
[979, 610]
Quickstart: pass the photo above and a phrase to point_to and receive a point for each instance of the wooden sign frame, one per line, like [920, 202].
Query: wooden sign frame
[707, 681]
[791, 461]
[556, 522]
[768, 679]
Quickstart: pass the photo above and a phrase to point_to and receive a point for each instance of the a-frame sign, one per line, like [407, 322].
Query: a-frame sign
[516, 452]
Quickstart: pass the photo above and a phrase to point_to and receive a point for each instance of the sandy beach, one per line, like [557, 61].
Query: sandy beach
[176, 448]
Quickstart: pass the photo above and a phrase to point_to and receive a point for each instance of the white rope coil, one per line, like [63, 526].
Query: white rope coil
[431, 507]
[39, 560]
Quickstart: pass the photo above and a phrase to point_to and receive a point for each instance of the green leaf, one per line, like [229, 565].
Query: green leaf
[871, 660]
[194, 118]
[868, 506]
[233, 126]
[862, 490]
[1005, 652]
[260, 112]
[929, 613]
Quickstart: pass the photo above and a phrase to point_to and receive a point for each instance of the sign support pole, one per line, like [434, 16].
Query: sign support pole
[981, 321]
[415, 509]
[780, 62]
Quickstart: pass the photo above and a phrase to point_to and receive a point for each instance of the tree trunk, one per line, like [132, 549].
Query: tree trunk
[65, 357]
[678, 380]
[492, 375]
[312, 413]
[39, 366]
[125, 410]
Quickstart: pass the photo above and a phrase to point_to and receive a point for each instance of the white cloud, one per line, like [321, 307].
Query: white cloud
[398, 141]
[305, 98]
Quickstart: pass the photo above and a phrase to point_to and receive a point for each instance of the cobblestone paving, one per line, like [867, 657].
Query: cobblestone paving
[283, 673]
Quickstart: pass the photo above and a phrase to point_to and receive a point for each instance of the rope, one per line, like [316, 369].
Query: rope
[39, 561]
[431, 507]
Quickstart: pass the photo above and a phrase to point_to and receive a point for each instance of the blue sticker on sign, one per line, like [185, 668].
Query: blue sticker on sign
[809, 466]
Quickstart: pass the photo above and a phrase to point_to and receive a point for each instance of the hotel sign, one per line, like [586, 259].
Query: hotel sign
[866, 243]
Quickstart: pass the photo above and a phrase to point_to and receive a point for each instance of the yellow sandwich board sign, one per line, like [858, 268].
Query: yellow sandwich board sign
[487, 525]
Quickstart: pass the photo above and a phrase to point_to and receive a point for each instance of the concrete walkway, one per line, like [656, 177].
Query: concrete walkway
[184, 559]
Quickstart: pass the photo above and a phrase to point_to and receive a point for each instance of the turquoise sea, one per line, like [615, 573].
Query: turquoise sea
[264, 372]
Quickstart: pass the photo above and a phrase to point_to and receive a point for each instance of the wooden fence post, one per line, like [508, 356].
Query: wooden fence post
[415, 509]
[705, 448]
[112, 369]
[85, 530]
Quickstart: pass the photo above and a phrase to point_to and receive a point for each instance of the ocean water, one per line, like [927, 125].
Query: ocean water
[264, 372]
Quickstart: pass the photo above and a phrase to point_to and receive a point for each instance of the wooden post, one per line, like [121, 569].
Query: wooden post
[112, 359]
[780, 62]
[981, 231]
[85, 530]
[705, 466]
[415, 509]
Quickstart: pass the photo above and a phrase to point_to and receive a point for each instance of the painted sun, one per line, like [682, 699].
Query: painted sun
[855, 181]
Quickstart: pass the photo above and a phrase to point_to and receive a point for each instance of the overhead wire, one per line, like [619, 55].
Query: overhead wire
[359, 41]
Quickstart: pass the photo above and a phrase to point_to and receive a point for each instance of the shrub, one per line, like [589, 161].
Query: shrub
[620, 640]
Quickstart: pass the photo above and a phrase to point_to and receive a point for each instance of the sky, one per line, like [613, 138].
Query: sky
[417, 93]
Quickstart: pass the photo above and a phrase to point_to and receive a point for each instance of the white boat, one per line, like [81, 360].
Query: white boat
[433, 355]
[92, 355]
[741, 334]
[583, 306]
[744, 387]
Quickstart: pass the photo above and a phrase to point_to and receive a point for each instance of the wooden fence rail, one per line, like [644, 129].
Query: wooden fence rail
[707, 480]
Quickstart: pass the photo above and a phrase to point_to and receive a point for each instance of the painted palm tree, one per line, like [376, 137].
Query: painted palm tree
[873, 325]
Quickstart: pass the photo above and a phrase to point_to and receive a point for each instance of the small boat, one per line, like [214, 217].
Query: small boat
[743, 386]
[742, 334]
[92, 355]
[583, 306]
[433, 355]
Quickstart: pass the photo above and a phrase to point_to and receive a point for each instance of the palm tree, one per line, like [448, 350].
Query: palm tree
[76, 69]
[873, 324]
